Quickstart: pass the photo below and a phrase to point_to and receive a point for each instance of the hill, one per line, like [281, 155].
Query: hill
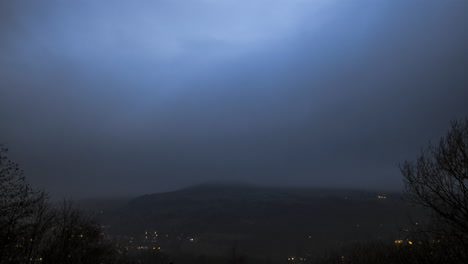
[280, 220]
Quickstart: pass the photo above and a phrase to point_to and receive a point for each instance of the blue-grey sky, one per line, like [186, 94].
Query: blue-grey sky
[103, 98]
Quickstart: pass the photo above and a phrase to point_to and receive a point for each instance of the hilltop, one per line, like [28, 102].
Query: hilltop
[283, 219]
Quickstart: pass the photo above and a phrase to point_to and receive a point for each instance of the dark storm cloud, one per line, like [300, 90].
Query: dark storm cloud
[99, 98]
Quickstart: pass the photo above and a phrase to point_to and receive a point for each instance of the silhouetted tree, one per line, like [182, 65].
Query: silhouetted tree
[75, 238]
[438, 180]
[23, 213]
[32, 231]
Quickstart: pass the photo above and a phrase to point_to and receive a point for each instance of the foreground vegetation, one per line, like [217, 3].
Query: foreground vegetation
[33, 230]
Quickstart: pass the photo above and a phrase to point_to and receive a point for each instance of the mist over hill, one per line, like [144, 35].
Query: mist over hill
[267, 219]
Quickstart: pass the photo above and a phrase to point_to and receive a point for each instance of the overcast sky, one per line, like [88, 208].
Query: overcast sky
[101, 98]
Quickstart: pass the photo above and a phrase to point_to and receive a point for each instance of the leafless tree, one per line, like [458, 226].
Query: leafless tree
[32, 230]
[76, 238]
[438, 180]
[21, 208]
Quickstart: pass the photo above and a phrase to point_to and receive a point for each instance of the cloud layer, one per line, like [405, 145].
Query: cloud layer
[100, 98]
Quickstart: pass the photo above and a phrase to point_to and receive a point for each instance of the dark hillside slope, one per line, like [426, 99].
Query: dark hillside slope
[278, 219]
[240, 208]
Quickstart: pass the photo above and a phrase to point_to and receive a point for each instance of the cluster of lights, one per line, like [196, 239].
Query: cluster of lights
[154, 248]
[292, 259]
[150, 237]
[149, 233]
[381, 197]
[401, 242]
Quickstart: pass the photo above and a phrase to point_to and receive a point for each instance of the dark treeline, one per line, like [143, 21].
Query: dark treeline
[423, 250]
[32, 229]
[35, 230]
